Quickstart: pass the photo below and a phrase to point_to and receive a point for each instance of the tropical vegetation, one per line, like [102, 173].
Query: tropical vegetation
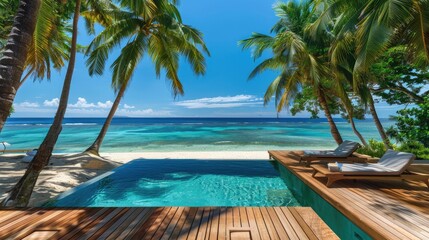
[355, 50]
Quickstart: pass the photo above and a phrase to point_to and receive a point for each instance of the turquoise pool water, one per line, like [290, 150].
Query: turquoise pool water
[143, 183]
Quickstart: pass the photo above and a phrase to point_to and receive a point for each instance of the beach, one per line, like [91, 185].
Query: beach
[66, 171]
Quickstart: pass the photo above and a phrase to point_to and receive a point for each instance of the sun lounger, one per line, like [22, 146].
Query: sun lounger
[343, 153]
[392, 166]
[4, 150]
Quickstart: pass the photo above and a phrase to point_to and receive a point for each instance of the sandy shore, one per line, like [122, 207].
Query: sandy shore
[66, 171]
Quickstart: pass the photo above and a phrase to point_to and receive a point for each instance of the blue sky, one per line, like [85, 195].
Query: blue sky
[222, 92]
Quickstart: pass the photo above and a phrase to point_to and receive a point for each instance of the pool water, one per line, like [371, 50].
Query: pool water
[144, 183]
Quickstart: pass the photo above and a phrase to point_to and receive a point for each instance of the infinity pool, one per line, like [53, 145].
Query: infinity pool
[144, 183]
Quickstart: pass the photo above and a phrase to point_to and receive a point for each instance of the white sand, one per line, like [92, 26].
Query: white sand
[66, 171]
[126, 157]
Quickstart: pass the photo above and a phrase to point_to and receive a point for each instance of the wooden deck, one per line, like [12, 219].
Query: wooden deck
[383, 209]
[164, 223]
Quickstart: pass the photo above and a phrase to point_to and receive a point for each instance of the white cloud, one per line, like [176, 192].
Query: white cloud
[149, 112]
[83, 103]
[83, 108]
[221, 102]
[51, 103]
[107, 104]
[28, 105]
[126, 106]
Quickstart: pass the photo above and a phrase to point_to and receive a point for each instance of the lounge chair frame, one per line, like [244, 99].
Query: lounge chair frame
[14, 151]
[354, 158]
[335, 176]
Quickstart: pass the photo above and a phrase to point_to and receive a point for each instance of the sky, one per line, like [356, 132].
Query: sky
[224, 91]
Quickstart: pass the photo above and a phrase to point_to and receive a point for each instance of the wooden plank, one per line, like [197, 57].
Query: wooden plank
[281, 230]
[236, 222]
[8, 215]
[181, 223]
[399, 228]
[140, 220]
[169, 230]
[229, 217]
[102, 223]
[59, 224]
[150, 225]
[31, 226]
[298, 223]
[113, 228]
[204, 224]
[214, 224]
[161, 225]
[190, 218]
[307, 217]
[11, 215]
[222, 223]
[194, 229]
[270, 225]
[85, 223]
[252, 223]
[125, 223]
[260, 222]
[243, 217]
[25, 219]
[290, 226]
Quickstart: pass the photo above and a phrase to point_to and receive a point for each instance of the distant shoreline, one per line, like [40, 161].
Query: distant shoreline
[270, 118]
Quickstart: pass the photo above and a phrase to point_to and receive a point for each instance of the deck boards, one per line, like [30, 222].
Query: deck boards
[383, 209]
[164, 223]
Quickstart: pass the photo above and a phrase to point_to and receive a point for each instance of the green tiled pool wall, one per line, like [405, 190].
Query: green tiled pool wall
[340, 224]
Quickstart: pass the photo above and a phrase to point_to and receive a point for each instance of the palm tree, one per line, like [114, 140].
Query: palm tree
[20, 195]
[345, 54]
[49, 46]
[375, 24]
[301, 61]
[157, 31]
[12, 62]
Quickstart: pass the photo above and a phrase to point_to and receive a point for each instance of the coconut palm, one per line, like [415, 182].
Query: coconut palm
[20, 194]
[155, 28]
[49, 44]
[344, 58]
[376, 24]
[300, 60]
[12, 62]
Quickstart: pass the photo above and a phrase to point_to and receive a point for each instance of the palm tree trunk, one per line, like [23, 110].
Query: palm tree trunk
[324, 104]
[15, 54]
[20, 195]
[357, 133]
[352, 123]
[378, 124]
[95, 147]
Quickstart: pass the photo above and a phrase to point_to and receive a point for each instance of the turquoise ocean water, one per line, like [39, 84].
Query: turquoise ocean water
[185, 134]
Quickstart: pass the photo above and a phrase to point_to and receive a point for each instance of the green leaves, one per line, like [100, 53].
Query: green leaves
[301, 61]
[153, 28]
[412, 124]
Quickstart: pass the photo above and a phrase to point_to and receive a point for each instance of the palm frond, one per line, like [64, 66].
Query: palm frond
[125, 64]
[270, 63]
[258, 43]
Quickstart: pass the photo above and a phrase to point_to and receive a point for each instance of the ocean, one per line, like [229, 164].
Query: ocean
[185, 134]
